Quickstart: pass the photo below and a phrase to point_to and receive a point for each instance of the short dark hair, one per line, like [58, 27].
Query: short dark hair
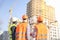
[40, 21]
[14, 22]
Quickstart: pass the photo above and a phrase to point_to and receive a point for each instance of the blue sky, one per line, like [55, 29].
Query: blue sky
[19, 8]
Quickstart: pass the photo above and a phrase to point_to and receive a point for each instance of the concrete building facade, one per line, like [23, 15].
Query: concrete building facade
[35, 7]
[53, 32]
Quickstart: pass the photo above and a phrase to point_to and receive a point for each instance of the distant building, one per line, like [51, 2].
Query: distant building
[0, 37]
[53, 32]
[4, 36]
[1, 32]
[59, 32]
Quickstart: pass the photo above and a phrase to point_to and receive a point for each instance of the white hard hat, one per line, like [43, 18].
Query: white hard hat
[14, 19]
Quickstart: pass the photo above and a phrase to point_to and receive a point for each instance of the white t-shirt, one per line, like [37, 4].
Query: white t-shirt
[28, 32]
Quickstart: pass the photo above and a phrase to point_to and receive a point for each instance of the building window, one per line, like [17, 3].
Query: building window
[54, 35]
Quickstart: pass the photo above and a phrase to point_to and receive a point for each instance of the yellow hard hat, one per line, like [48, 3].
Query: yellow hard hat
[24, 17]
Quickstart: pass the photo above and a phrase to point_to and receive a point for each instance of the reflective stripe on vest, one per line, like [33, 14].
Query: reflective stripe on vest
[42, 39]
[10, 36]
[13, 25]
[24, 32]
[10, 32]
[18, 33]
[42, 34]
[19, 37]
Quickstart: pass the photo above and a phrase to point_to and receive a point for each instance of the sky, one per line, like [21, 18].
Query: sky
[19, 8]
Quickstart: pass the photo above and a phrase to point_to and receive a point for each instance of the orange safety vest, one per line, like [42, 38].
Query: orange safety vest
[24, 31]
[41, 32]
[19, 32]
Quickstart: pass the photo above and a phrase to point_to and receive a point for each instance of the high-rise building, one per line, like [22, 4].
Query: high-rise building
[50, 14]
[35, 7]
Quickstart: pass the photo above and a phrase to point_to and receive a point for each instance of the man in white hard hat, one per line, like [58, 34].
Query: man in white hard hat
[12, 28]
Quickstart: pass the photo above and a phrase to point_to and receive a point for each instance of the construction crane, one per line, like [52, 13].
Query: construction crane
[11, 10]
[10, 18]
